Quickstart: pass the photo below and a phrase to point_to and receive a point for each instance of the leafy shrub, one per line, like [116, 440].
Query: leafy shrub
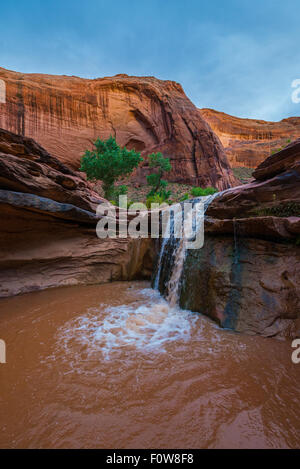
[281, 148]
[154, 180]
[200, 192]
[154, 199]
[117, 191]
[290, 209]
[137, 205]
[186, 196]
[108, 162]
[120, 190]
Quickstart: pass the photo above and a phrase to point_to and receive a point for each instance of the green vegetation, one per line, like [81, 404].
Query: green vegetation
[186, 196]
[281, 148]
[158, 185]
[140, 193]
[107, 163]
[200, 192]
[290, 209]
[155, 199]
[180, 193]
[243, 174]
[120, 190]
[111, 164]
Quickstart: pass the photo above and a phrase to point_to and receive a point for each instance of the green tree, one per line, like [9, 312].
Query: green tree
[158, 185]
[108, 162]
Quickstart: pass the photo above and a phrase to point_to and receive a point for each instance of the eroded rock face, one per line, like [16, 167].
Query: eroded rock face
[285, 161]
[65, 114]
[27, 167]
[247, 275]
[276, 190]
[248, 142]
[248, 285]
[48, 226]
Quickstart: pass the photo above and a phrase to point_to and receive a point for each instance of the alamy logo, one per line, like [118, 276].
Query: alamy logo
[296, 353]
[2, 351]
[2, 92]
[296, 92]
[179, 221]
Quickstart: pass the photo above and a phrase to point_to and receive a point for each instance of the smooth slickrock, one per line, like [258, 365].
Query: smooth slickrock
[287, 160]
[248, 142]
[65, 114]
[39, 251]
[48, 226]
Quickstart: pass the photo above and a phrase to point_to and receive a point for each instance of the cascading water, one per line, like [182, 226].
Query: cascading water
[173, 249]
[162, 249]
[127, 370]
[147, 325]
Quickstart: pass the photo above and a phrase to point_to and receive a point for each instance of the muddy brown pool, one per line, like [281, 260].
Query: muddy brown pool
[113, 366]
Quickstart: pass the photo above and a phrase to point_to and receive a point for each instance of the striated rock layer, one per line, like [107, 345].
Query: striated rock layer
[248, 142]
[48, 226]
[65, 114]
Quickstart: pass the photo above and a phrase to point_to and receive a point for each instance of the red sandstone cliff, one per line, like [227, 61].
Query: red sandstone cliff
[64, 114]
[248, 142]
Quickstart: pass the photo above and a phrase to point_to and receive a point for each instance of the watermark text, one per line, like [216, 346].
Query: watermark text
[178, 221]
[2, 92]
[296, 92]
[296, 353]
[2, 351]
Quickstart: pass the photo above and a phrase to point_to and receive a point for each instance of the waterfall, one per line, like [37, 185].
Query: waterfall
[173, 249]
[161, 252]
[179, 258]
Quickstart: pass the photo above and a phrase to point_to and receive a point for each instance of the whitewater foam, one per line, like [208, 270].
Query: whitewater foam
[146, 326]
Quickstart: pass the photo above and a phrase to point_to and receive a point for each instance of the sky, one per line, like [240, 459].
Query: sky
[236, 56]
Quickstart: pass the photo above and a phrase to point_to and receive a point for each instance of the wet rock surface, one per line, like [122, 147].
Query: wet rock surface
[247, 285]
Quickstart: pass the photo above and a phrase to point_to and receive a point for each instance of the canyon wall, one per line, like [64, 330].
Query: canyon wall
[248, 142]
[48, 226]
[65, 114]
